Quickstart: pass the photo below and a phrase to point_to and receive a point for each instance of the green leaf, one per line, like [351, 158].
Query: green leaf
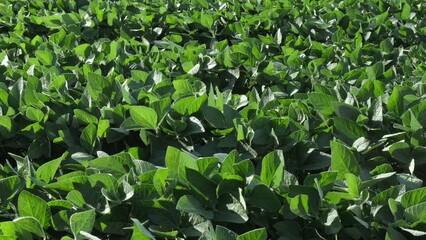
[140, 231]
[161, 107]
[304, 201]
[110, 187]
[34, 114]
[47, 171]
[144, 116]
[46, 57]
[322, 103]
[324, 180]
[98, 85]
[9, 187]
[230, 184]
[30, 224]
[414, 232]
[33, 206]
[317, 160]
[393, 234]
[115, 48]
[184, 164]
[229, 161]
[401, 152]
[207, 165]
[103, 127]
[214, 117]
[160, 180]
[191, 204]
[82, 221]
[395, 101]
[117, 165]
[202, 3]
[76, 198]
[354, 184]
[256, 234]
[173, 158]
[67, 182]
[386, 46]
[416, 212]
[88, 138]
[224, 58]
[5, 126]
[259, 194]
[244, 168]
[196, 104]
[11, 230]
[203, 186]
[225, 234]
[383, 197]
[181, 106]
[347, 130]
[206, 20]
[376, 112]
[85, 117]
[89, 236]
[183, 87]
[346, 111]
[396, 208]
[376, 179]
[406, 11]
[190, 68]
[343, 161]
[361, 144]
[331, 222]
[82, 50]
[413, 197]
[60, 204]
[299, 205]
[273, 169]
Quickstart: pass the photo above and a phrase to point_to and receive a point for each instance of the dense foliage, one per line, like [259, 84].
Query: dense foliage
[198, 119]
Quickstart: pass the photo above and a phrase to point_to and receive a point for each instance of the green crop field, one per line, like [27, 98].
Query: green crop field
[213, 120]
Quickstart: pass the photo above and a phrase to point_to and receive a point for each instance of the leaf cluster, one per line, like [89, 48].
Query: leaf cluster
[201, 119]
